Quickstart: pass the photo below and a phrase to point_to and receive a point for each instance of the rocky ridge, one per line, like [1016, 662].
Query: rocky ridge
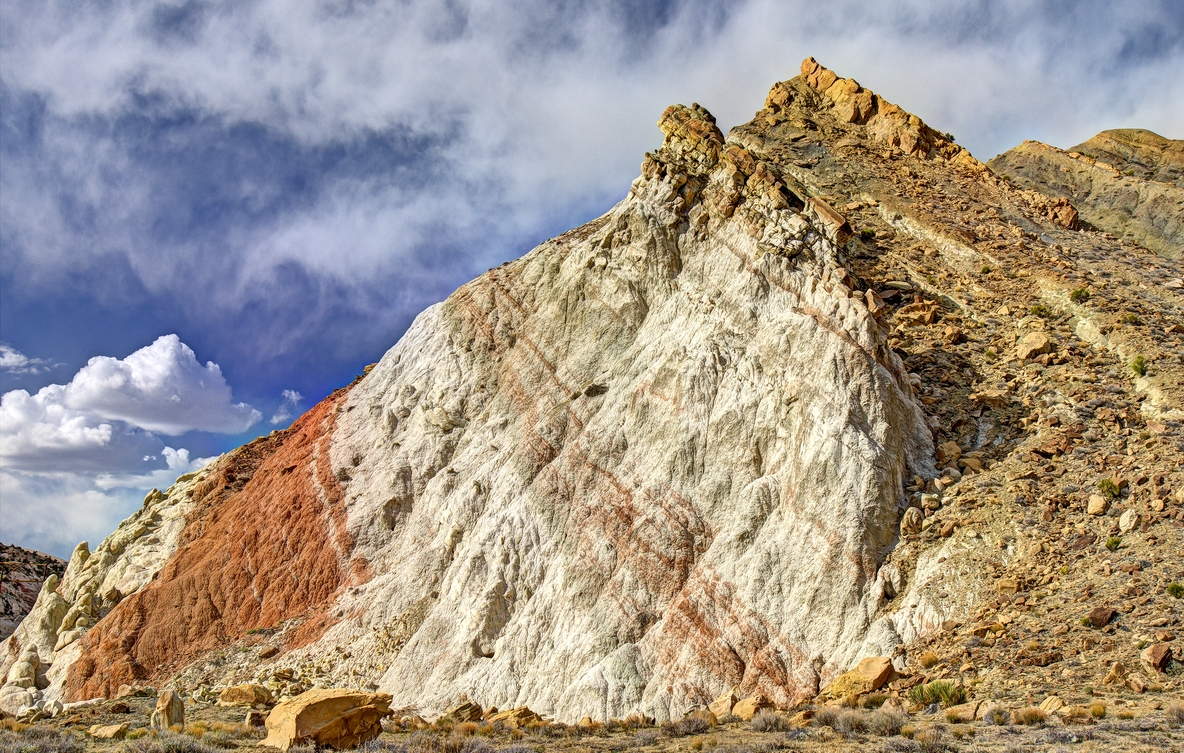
[595, 565]
[1127, 182]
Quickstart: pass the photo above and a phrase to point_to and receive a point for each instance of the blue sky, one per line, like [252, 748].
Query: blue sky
[282, 186]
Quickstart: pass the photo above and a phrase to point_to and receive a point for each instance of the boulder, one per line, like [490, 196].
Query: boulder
[723, 703]
[170, 710]
[1155, 657]
[1100, 616]
[110, 731]
[327, 717]
[1051, 704]
[747, 708]
[463, 712]
[1033, 344]
[515, 718]
[870, 674]
[255, 718]
[245, 695]
[964, 713]
[1128, 521]
[1098, 505]
[1116, 674]
[911, 521]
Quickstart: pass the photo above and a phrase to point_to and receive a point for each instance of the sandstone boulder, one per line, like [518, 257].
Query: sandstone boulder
[1128, 521]
[911, 521]
[245, 695]
[1155, 657]
[1098, 505]
[722, 705]
[870, 674]
[747, 708]
[110, 731]
[515, 718]
[463, 712]
[1033, 344]
[327, 717]
[170, 710]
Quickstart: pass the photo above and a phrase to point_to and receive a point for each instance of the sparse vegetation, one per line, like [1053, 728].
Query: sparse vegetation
[169, 742]
[1176, 590]
[1030, 715]
[1108, 488]
[1080, 295]
[874, 700]
[985, 270]
[1097, 710]
[996, 715]
[939, 691]
[692, 725]
[1139, 366]
[1130, 318]
[867, 234]
[928, 659]
[768, 721]
[1125, 714]
[1042, 311]
[1113, 543]
[38, 740]
[1175, 713]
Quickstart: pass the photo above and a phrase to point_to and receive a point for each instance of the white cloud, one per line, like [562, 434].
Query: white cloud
[160, 388]
[291, 399]
[15, 362]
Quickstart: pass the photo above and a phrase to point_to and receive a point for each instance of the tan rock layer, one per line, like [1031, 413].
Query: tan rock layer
[266, 542]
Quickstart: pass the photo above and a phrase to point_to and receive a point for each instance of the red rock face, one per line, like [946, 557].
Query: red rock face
[266, 542]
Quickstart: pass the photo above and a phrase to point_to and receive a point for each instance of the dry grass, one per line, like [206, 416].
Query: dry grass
[928, 659]
[768, 721]
[1097, 710]
[1030, 715]
[1175, 713]
[996, 715]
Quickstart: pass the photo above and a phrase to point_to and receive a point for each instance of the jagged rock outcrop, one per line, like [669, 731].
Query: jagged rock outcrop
[1127, 182]
[684, 449]
[22, 572]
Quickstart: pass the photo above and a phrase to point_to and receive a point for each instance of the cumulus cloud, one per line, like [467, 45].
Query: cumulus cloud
[76, 456]
[108, 415]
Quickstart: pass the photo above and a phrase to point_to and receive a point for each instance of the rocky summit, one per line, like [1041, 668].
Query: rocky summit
[826, 416]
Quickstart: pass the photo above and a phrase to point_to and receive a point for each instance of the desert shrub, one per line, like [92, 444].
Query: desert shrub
[692, 725]
[1097, 710]
[1030, 715]
[1042, 311]
[850, 722]
[928, 659]
[646, 737]
[768, 721]
[1113, 543]
[12, 725]
[466, 728]
[1108, 488]
[729, 718]
[826, 716]
[901, 745]
[1125, 714]
[1176, 590]
[170, 742]
[996, 715]
[867, 234]
[985, 269]
[1129, 318]
[1139, 365]
[1080, 295]
[477, 745]
[1175, 713]
[932, 740]
[39, 740]
[939, 691]
[962, 731]
[885, 723]
[874, 700]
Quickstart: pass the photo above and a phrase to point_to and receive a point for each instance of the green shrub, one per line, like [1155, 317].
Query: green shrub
[1113, 543]
[867, 234]
[1176, 590]
[939, 691]
[1139, 365]
[1108, 488]
[1129, 318]
[1080, 295]
[1042, 311]
[985, 270]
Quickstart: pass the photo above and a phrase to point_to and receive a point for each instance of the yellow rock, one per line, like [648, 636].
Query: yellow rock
[871, 674]
[521, 716]
[335, 717]
[244, 695]
[109, 732]
[722, 705]
[747, 708]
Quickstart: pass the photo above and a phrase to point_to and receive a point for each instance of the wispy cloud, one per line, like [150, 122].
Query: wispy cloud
[291, 400]
[15, 362]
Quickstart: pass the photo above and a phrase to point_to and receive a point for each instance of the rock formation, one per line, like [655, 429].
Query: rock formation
[22, 572]
[685, 450]
[1127, 182]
